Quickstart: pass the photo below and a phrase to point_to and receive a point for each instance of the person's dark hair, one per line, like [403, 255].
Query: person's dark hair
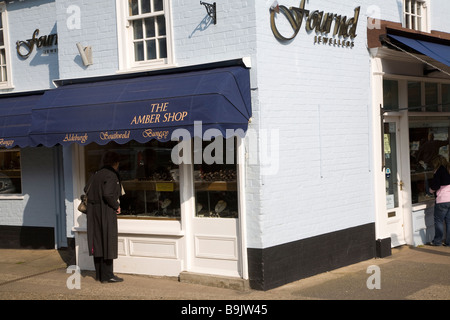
[110, 158]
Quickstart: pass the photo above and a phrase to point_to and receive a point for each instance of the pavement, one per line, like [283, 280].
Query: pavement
[411, 273]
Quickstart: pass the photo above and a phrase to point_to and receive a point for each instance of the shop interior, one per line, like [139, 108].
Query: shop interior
[151, 180]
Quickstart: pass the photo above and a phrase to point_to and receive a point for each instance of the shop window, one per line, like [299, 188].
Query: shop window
[390, 95]
[149, 177]
[415, 14]
[414, 96]
[428, 140]
[146, 33]
[215, 180]
[446, 97]
[431, 97]
[428, 97]
[10, 172]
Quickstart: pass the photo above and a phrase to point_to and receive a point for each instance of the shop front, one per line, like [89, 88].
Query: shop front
[411, 83]
[27, 180]
[180, 137]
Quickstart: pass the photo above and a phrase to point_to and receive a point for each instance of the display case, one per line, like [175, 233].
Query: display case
[151, 198]
[148, 176]
[151, 179]
[10, 172]
[216, 184]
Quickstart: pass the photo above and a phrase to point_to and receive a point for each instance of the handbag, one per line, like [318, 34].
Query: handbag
[82, 207]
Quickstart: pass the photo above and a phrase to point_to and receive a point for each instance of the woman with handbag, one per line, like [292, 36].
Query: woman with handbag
[103, 206]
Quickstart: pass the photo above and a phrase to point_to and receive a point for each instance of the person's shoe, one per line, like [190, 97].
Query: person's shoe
[113, 280]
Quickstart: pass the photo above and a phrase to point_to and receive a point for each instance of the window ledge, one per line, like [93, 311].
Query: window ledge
[12, 197]
[423, 205]
[146, 68]
[6, 86]
[160, 232]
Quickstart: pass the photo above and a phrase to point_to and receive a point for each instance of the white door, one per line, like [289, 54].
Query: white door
[216, 240]
[216, 247]
[394, 181]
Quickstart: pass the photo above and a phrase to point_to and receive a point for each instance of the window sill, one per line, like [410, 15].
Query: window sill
[6, 86]
[146, 68]
[134, 217]
[12, 197]
[423, 205]
[132, 231]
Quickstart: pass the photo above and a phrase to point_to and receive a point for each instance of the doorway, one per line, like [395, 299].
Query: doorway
[395, 186]
[215, 214]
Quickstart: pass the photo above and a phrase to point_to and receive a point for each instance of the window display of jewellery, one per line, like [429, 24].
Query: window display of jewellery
[151, 198]
[216, 194]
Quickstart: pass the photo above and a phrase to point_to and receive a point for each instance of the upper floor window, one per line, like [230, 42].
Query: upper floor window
[4, 52]
[415, 15]
[146, 36]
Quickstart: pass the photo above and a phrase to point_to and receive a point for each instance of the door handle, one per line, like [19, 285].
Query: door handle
[401, 184]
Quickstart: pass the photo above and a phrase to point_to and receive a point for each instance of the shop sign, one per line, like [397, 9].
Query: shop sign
[328, 26]
[6, 143]
[159, 113]
[74, 137]
[114, 136]
[25, 48]
[149, 133]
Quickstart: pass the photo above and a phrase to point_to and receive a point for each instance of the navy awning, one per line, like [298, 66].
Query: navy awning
[144, 108]
[437, 51]
[15, 119]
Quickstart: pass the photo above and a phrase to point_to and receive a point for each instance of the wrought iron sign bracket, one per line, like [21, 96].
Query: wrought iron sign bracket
[211, 10]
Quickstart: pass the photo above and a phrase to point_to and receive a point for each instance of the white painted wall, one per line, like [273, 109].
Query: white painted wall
[39, 69]
[314, 99]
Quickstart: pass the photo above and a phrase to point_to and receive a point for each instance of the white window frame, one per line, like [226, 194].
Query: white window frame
[7, 63]
[410, 15]
[127, 62]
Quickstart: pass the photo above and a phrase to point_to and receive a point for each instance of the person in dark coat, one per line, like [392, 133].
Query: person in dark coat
[102, 210]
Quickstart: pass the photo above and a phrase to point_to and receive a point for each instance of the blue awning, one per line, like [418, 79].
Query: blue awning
[15, 119]
[144, 108]
[436, 51]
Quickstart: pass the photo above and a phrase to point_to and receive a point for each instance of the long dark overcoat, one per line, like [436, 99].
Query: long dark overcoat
[103, 202]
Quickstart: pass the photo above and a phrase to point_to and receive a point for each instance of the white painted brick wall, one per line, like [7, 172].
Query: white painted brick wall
[232, 37]
[316, 96]
[440, 12]
[37, 71]
[97, 29]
